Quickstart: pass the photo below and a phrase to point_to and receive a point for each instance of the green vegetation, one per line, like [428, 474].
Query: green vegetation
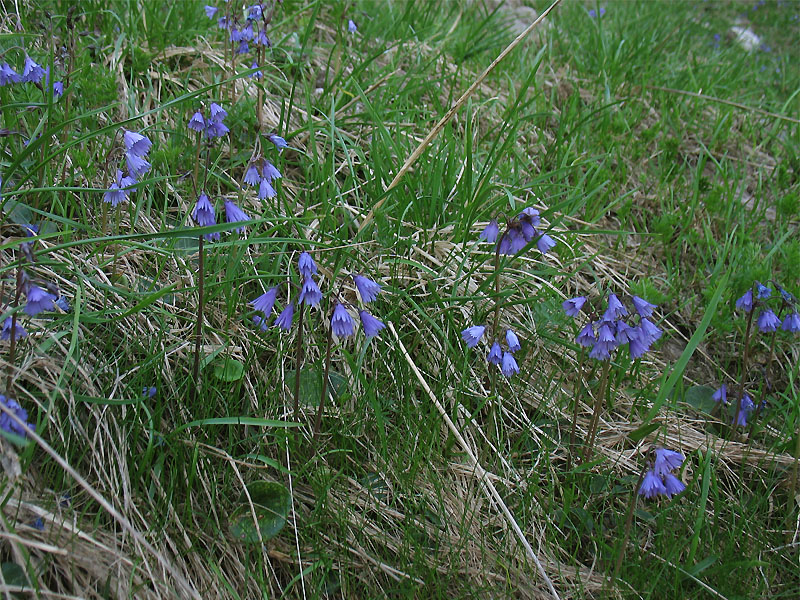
[663, 161]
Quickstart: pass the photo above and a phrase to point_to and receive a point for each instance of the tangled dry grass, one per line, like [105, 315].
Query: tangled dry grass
[81, 551]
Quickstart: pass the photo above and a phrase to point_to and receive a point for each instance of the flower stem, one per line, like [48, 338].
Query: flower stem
[13, 346]
[628, 523]
[745, 356]
[299, 359]
[598, 406]
[575, 409]
[793, 480]
[198, 335]
[763, 387]
[318, 420]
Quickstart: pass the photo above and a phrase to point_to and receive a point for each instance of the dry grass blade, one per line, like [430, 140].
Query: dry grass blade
[759, 111]
[187, 588]
[481, 472]
[454, 109]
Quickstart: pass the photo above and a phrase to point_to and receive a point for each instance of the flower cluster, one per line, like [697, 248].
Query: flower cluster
[32, 72]
[496, 356]
[519, 232]
[659, 480]
[10, 425]
[242, 32]
[767, 321]
[747, 406]
[211, 126]
[610, 331]
[204, 215]
[137, 147]
[342, 323]
[262, 173]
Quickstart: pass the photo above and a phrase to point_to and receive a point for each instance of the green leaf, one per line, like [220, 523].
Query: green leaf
[13, 574]
[311, 385]
[699, 397]
[236, 421]
[642, 431]
[271, 504]
[228, 370]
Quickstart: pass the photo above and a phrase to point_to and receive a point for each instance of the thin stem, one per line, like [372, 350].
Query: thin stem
[199, 328]
[13, 346]
[793, 480]
[259, 58]
[318, 420]
[628, 523]
[581, 361]
[299, 359]
[497, 286]
[745, 356]
[763, 387]
[598, 406]
[197, 162]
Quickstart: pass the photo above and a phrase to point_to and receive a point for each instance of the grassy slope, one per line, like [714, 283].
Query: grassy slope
[643, 188]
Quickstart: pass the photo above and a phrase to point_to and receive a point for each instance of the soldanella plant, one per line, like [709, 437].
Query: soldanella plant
[602, 334]
[502, 341]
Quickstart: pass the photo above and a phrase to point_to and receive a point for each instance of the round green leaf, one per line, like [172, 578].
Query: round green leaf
[271, 502]
[228, 369]
[699, 397]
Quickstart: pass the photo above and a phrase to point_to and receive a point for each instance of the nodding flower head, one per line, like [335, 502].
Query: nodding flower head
[19, 330]
[490, 232]
[351, 26]
[265, 189]
[252, 176]
[652, 486]
[342, 323]
[586, 336]
[744, 413]
[512, 340]
[666, 461]
[234, 214]
[38, 300]
[10, 425]
[217, 112]
[767, 321]
[659, 481]
[137, 165]
[284, 320]
[472, 335]
[791, 323]
[8, 75]
[211, 11]
[136, 144]
[509, 366]
[495, 356]
[615, 309]
[277, 140]
[118, 191]
[573, 306]
[745, 303]
[32, 72]
[367, 289]
[545, 243]
[310, 293]
[721, 394]
[197, 122]
[270, 171]
[762, 291]
[266, 301]
[643, 307]
[203, 215]
[306, 265]
[372, 326]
